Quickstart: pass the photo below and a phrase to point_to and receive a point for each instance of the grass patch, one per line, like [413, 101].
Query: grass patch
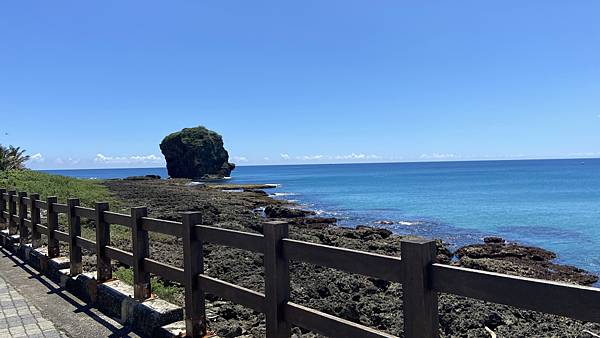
[88, 191]
[170, 293]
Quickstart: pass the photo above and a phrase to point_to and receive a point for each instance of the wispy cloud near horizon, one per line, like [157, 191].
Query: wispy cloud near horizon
[134, 159]
[355, 156]
[39, 158]
[320, 157]
[438, 156]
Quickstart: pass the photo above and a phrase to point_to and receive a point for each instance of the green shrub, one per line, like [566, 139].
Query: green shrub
[170, 293]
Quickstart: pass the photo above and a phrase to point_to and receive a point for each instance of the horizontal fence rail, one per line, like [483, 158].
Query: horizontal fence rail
[327, 324]
[161, 226]
[353, 261]
[574, 301]
[421, 277]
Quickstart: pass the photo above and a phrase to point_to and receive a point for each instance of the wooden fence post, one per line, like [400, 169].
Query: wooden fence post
[141, 250]
[193, 261]
[35, 220]
[12, 210]
[420, 302]
[104, 270]
[23, 233]
[2, 205]
[75, 263]
[52, 222]
[277, 279]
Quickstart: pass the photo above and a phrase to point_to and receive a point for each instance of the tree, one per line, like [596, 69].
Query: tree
[12, 158]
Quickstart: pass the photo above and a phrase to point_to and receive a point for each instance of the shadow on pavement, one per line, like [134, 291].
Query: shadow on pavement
[71, 299]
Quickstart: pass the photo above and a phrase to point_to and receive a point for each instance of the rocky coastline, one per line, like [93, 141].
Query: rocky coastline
[368, 301]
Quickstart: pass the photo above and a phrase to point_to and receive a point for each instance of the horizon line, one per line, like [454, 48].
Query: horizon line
[347, 163]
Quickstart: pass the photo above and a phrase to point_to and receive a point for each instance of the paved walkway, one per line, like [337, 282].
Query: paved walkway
[31, 305]
[20, 319]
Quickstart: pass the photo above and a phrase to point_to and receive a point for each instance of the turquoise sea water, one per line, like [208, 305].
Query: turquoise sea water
[554, 204]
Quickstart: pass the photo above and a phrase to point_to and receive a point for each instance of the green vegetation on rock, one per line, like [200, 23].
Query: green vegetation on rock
[30, 181]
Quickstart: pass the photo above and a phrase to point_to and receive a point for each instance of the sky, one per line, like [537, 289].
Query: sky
[98, 84]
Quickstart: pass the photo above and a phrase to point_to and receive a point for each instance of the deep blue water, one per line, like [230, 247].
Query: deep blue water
[554, 204]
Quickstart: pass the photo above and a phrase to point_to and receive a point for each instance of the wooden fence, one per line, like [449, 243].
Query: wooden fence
[422, 279]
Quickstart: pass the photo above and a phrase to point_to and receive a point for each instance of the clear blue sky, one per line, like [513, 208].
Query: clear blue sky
[98, 84]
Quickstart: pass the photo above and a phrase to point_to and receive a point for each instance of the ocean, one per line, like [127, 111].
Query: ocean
[554, 204]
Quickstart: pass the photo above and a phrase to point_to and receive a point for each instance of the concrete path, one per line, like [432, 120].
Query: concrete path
[31, 305]
[20, 319]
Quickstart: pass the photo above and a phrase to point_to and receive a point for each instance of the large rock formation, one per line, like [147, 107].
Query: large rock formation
[196, 153]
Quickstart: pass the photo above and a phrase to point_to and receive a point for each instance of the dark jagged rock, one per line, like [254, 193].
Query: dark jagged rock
[142, 178]
[493, 240]
[444, 255]
[370, 233]
[520, 260]
[312, 222]
[493, 320]
[503, 251]
[274, 211]
[257, 191]
[196, 153]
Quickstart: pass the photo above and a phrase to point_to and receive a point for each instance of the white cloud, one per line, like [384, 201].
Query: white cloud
[310, 157]
[146, 158]
[239, 158]
[135, 159]
[355, 156]
[266, 158]
[344, 157]
[102, 158]
[39, 158]
[438, 156]
[73, 161]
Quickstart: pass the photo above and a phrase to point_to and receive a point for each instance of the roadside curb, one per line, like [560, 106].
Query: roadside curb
[153, 317]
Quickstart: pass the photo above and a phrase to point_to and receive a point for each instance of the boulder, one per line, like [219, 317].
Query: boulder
[372, 233]
[493, 240]
[313, 222]
[273, 211]
[196, 153]
[510, 258]
[502, 251]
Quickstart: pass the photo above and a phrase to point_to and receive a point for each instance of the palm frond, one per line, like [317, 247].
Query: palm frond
[12, 158]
